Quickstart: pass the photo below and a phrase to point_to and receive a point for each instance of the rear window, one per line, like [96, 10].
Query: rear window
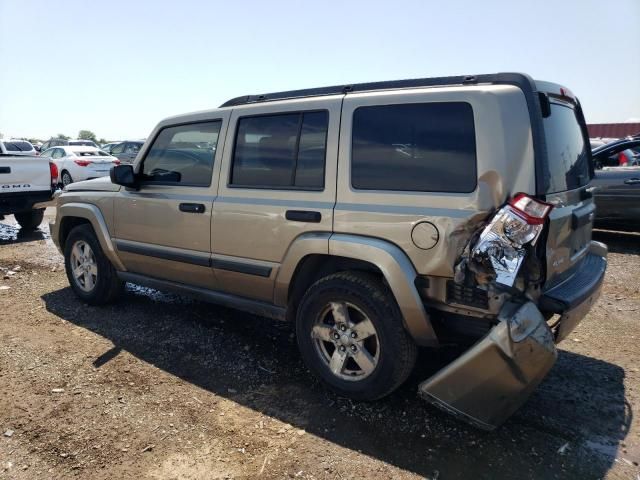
[18, 146]
[284, 151]
[92, 153]
[423, 147]
[567, 150]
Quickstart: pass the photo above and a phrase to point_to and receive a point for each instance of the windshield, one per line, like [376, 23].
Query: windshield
[567, 150]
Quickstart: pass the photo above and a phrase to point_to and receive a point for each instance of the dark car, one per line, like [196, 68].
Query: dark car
[127, 151]
[62, 142]
[617, 192]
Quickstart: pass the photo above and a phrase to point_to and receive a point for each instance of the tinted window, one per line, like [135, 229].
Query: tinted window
[281, 151]
[183, 154]
[568, 155]
[18, 146]
[427, 147]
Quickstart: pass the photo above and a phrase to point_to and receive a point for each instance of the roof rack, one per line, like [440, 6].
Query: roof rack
[521, 80]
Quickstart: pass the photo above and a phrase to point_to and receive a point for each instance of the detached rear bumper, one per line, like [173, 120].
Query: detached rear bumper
[496, 376]
[573, 298]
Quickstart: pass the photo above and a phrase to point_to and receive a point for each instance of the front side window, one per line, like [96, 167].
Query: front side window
[117, 149]
[423, 147]
[285, 151]
[183, 154]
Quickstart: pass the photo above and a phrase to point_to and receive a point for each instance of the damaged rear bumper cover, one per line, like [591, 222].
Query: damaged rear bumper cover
[491, 380]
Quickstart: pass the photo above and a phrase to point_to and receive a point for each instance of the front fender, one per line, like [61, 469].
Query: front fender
[94, 216]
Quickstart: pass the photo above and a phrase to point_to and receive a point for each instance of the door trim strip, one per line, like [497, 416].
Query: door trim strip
[163, 253]
[242, 267]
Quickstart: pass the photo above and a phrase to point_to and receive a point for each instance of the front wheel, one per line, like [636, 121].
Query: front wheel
[30, 220]
[90, 273]
[350, 334]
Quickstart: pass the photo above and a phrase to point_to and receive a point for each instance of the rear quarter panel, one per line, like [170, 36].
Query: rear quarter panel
[505, 165]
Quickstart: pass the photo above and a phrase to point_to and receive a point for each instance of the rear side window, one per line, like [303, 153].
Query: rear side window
[183, 154]
[281, 151]
[424, 147]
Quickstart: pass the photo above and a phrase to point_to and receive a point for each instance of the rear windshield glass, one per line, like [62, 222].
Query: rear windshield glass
[86, 143]
[568, 153]
[18, 146]
[92, 153]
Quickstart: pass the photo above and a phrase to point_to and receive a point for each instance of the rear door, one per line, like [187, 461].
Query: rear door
[617, 197]
[277, 183]
[567, 174]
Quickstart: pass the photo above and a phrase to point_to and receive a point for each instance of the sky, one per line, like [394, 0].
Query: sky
[118, 67]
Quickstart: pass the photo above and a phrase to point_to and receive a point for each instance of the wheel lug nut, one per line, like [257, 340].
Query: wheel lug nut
[353, 335]
[343, 328]
[342, 348]
[353, 348]
[336, 336]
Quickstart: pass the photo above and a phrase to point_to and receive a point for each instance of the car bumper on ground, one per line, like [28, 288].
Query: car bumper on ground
[490, 381]
[496, 376]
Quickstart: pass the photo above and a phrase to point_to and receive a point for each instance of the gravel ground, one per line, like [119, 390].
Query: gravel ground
[160, 386]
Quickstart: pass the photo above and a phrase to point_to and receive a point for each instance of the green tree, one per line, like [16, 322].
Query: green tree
[63, 136]
[87, 135]
[101, 141]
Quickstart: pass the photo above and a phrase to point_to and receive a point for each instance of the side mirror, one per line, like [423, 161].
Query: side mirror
[123, 175]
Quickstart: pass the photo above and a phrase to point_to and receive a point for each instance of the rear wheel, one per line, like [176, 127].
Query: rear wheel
[30, 220]
[350, 334]
[90, 273]
[66, 178]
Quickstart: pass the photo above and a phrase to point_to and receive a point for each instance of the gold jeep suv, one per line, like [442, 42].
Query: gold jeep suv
[377, 217]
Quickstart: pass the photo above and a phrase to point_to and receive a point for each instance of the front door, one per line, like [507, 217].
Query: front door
[163, 229]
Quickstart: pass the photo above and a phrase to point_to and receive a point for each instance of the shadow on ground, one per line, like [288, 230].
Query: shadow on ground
[217, 349]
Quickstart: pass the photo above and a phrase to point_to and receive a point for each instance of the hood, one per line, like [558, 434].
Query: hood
[102, 184]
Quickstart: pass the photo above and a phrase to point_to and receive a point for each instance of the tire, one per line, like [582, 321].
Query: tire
[98, 282]
[30, 220]
[66, 178]
[391, 351]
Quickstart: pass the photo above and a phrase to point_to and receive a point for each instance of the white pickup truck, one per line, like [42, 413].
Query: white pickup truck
[25, 181]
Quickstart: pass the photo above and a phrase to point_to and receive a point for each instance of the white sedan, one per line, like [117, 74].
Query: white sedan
[77, 163]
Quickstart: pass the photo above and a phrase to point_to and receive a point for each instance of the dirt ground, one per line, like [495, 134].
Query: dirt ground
[159, 386]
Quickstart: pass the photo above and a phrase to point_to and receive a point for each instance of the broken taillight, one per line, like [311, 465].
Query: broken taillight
[532, 210]
[500, 249]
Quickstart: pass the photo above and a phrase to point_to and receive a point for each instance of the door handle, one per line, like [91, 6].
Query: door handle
[303, 216]
[191, 207]
[632, 181]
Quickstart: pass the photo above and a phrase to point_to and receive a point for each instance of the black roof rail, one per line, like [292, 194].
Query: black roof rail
[518, 79]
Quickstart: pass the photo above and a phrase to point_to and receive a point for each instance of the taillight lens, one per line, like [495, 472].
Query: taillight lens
[82, 163]
[532, 210]
[116, 162]
[53, 169]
